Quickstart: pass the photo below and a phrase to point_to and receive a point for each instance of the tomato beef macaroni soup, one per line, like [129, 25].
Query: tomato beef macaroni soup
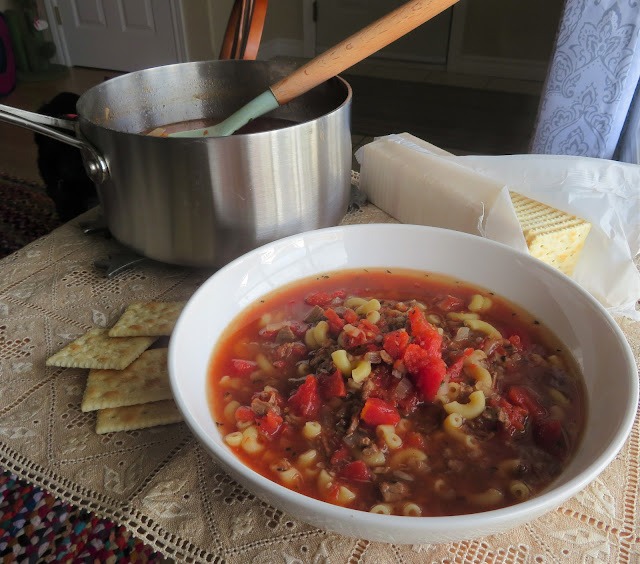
[397, 392]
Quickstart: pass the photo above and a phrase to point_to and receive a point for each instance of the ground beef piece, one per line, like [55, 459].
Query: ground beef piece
[315, 315]
[396, 322]
[370, 450]
[260, 407]
[295, 350]
[285, 335]
[393, 491]
[355, 421]
[486, 425]
[326, 445]
[263, 402]
[321, 360]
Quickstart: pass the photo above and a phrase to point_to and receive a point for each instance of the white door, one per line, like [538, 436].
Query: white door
[338, 19]
[123, 35]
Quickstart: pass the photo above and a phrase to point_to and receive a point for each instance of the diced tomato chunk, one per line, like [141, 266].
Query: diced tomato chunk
[453, 372]
[245, 413]
[378, 412]
[414, 439]
[450, 303]
[425, 334]
[395, 343]
[333, 386]
[243, 367]
[342, 294]
[428, 370]
[340, 455]
[270, 423]
[519, 339]
[350, 316]
[299, 329]
[357, 470]
[525, 398]
[365, 332]
[318, 298]
[516, 416]
[333, 493]
[430, 377]
[335, 322]
[414, 357]
[305, 401]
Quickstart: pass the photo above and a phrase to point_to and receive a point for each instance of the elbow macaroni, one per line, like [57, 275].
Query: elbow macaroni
[411, 510]
[487, 498]
[470, 410]
[388, 434]
[251, 441]
[479, 303]
[321, 332]
[354, 302]
[311, 430]
[451, 426]
[341, 360]
[406, 456]
[480, 374]
[483, 327]
[381, 509]
[371, 305]
[361, 371]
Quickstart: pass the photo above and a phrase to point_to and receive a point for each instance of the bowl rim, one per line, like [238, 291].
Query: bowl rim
[518, 512]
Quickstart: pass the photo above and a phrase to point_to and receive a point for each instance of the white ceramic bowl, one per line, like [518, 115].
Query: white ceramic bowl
[578, 320]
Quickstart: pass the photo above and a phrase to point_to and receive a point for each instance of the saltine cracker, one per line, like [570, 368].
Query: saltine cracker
[147, 319]
[96, 349]
[145, 380]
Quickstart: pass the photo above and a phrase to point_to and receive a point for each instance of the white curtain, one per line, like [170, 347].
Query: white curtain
[589, 103]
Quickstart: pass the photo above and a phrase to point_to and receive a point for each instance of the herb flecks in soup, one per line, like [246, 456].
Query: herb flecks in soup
[398, 393]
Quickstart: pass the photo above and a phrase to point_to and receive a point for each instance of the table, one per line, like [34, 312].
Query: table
[165, 489]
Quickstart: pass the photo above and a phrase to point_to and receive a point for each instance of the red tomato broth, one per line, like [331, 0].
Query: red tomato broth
[525, 434]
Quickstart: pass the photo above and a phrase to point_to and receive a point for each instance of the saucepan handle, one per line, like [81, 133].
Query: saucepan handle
[94, 163]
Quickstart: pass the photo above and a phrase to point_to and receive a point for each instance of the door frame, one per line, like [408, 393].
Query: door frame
[62, 56]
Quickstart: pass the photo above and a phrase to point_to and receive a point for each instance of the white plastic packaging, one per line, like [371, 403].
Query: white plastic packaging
[417, 182]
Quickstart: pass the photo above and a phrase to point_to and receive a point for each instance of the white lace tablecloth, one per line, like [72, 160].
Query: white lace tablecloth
[162, 486]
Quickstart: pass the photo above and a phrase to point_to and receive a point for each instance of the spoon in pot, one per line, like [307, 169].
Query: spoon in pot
[352, 50]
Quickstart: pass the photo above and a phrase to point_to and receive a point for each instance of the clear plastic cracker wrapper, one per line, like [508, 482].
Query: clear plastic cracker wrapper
[419, 183]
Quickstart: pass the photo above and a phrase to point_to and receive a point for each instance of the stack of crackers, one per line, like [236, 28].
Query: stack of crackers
[128, 382]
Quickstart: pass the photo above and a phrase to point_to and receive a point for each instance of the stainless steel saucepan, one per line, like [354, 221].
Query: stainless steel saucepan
[205, 201]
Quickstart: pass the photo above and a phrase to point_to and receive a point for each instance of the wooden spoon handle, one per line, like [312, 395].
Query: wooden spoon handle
[357, 47]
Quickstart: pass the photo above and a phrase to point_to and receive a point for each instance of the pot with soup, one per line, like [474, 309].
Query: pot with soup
[202, 202]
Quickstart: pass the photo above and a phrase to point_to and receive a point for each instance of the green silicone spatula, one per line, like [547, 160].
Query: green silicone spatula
[330, 63]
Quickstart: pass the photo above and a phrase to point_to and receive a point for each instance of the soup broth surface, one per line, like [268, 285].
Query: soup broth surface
[260, 124]
[397, 392]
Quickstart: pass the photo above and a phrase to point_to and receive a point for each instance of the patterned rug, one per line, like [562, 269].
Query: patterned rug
[35, 527]
[26, 213]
